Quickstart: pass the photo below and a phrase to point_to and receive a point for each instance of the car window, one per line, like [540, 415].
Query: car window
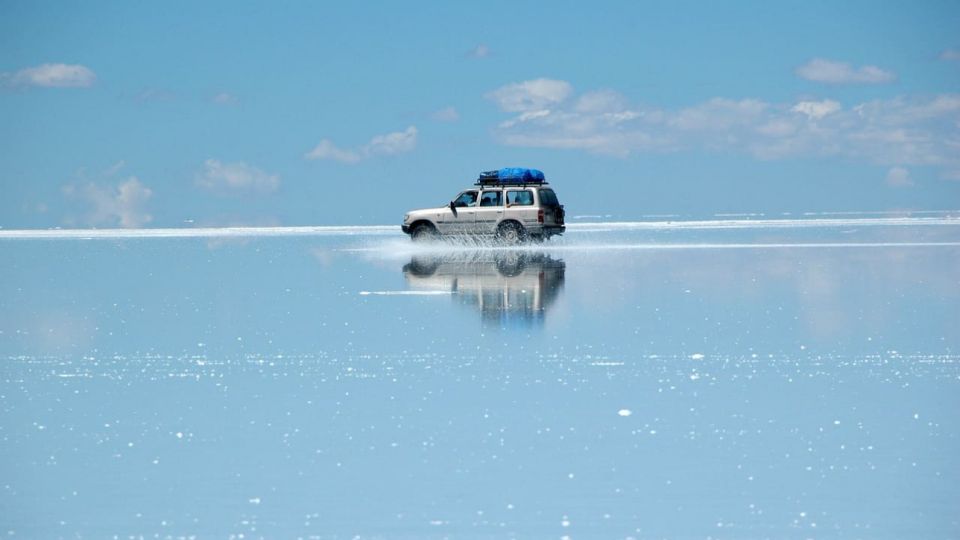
[548, 198]
[491, 198]
[520, 198]
[467, 198]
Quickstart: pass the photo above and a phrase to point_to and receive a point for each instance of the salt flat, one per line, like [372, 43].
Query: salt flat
[625, 381]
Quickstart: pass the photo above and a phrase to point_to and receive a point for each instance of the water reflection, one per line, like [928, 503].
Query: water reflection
[511, 289]
[686, 393]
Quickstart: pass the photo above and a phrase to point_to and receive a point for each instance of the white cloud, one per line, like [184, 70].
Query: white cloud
[902, 111]
[719, 114]
[389, 144]
[950, 55]
[51, 75]
[235, 178]
[327, 150]
[777, 127]
[392, 143]
[833, 72]
[225, 98]
[525, 117]
[536, 94]
[894, 132]
[480, 51]
[132, 195]
[600, 101]
[446, 114]
[899, 177]
[816, 109]
[122, 205]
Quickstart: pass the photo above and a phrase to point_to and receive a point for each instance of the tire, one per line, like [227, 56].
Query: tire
[422, 266]
[511, 233]
[423, 233]
[511, 263]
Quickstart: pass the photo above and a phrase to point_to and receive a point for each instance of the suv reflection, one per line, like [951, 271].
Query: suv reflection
[509, 288]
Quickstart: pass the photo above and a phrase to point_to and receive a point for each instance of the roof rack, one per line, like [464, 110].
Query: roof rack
[504, 183]
[511, 176]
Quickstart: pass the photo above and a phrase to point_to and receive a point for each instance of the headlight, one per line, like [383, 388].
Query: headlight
[406, 218]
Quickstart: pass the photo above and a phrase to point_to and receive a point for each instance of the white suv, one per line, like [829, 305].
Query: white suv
[512, 205]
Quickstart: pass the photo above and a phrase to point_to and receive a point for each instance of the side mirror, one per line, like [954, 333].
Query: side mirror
[453, 208]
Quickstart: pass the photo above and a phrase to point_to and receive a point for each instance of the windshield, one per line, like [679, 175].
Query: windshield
[548, 198]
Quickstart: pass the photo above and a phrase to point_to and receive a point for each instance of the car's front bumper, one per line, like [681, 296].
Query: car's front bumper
[405, 228]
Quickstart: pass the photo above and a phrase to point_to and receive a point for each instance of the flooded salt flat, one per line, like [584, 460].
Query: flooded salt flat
[725, 380]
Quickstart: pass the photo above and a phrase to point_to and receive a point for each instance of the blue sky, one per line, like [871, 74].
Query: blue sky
[182, 114]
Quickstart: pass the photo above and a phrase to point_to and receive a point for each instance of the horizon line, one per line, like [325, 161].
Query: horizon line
[353, 230]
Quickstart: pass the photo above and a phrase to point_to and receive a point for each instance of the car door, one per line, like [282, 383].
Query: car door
[520, 207]
[489, 211]
[462, 218]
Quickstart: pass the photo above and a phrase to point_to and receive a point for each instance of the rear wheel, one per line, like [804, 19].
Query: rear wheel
[423, 233]
[511, 233]
[511, 263]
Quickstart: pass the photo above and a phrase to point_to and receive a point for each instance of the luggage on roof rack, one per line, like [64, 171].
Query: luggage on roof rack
[511, 175]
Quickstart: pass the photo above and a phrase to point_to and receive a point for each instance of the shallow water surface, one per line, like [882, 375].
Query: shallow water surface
[625, 381]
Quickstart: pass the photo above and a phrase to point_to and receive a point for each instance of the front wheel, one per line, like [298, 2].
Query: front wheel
[511, 233]
[423, 233]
